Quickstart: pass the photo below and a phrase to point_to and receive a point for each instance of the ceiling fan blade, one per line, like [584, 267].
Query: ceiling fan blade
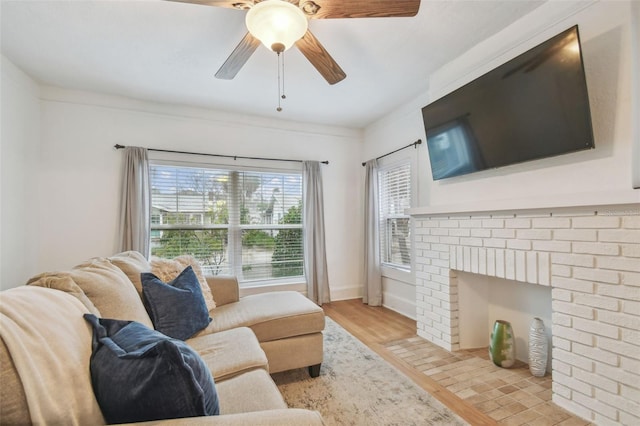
[330, 9]
[231, 4]
[320, 58]
[238, 57]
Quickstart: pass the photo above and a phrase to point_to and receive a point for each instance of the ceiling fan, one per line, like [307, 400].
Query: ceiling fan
[279, 24]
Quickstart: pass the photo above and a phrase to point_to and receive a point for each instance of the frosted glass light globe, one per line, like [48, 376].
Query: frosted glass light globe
[277, 24]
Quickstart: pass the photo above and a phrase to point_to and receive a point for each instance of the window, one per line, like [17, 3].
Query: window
[394, 197]
[242, 223]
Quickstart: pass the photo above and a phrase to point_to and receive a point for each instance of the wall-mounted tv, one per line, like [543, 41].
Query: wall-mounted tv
[534, 106]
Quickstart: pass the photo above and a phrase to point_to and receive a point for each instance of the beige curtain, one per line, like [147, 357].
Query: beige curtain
[372, 294]
[135, 203]
[315, 259]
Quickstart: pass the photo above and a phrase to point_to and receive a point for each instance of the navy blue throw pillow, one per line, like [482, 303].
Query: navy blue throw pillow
[139, 374]
[176, 308]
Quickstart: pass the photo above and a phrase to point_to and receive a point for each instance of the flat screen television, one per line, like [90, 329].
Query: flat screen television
[534, 106]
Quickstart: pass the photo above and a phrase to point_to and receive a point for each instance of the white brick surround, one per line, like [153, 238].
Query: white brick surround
[591, 261]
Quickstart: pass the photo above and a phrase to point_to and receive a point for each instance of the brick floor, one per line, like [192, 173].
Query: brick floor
[512, 397]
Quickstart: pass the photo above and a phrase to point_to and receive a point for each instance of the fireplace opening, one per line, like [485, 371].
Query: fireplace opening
[483, 300]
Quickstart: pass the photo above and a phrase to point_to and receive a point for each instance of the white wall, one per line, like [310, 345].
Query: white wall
[19, 143]
[605, 31]
[79, 171]
[606, 36]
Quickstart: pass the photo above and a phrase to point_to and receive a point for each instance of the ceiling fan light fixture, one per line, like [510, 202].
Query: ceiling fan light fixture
[277, 24]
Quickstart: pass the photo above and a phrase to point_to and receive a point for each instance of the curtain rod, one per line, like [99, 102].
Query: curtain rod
[235, 157]
[413, 144]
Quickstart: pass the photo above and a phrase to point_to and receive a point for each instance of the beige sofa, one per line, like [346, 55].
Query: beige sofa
[247, 339]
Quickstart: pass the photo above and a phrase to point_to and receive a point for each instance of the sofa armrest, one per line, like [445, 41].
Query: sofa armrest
[225, 289]
[280, 417]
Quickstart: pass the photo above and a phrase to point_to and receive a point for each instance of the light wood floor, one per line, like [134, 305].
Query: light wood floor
[466, 381]
[376, 326]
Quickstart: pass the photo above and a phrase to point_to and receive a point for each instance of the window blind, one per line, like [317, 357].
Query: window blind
[242, 223]
[394, 197]
[271, 225]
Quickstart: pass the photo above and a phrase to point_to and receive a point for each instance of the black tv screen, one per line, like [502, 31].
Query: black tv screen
[534, 106]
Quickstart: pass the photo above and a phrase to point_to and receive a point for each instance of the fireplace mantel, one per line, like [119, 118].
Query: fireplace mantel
[574, 203]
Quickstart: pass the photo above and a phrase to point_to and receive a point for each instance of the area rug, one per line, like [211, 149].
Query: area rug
[357, 387]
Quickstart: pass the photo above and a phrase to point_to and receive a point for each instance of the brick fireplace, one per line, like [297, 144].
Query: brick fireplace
[588, 256]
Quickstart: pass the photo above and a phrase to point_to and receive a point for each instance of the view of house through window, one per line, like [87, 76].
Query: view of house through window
[394, 197]
[242, 223]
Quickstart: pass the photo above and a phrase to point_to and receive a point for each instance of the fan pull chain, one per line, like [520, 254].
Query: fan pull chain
[279, 109]
[281, 94]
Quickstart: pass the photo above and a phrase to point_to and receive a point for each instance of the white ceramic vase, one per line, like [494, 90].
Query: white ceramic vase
[538, 348]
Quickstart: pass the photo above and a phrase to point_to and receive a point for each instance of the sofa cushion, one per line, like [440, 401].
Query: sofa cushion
[309, 350]
[229, 353]
[276, 417]
[251, 391]
[50, 346]
[110, 291]
[132, 264]
[139, 374]
[271, 316]
[168, 269]
[177, 307]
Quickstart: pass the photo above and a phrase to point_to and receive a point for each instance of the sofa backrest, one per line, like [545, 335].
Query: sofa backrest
[132, 264]
[13, 403]
[109, 290]
[44, 354]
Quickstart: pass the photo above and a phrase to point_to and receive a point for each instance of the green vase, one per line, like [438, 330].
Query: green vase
[502, 348]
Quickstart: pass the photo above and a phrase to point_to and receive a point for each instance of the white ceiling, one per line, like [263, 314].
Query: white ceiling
[168, 52]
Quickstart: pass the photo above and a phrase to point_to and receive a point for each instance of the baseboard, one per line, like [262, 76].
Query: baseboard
[400, 305]
[397, 304]
[346, 293]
